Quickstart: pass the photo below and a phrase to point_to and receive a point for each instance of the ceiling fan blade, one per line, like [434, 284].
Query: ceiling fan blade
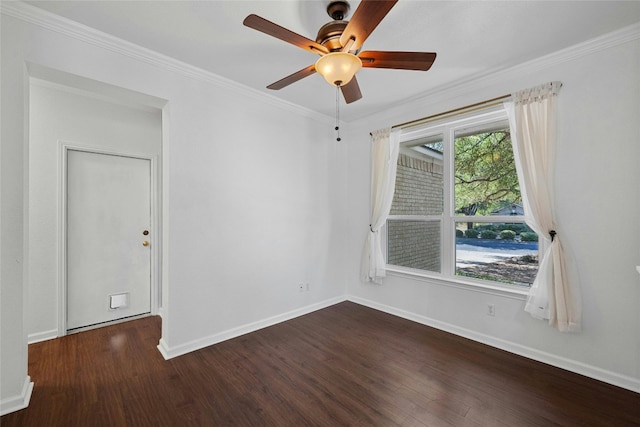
[398, 60]
[351, 91]
[298, 75]
[258, 23]
[364, 20]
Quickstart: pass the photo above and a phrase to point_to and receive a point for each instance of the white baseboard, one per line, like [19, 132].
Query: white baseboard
[626, 382]
[21, 401]
[163, 348]
[171, 352]
[42, 336]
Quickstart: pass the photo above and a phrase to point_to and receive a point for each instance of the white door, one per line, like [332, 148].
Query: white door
[108, 237]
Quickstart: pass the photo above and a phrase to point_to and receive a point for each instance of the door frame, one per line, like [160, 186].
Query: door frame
[155, 217]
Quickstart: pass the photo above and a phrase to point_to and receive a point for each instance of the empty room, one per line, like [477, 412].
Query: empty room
[320, 213]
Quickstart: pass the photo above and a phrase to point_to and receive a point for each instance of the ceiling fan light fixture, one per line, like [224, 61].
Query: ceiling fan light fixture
[338, 68]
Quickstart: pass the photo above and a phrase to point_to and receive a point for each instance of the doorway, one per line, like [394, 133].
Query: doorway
[108, 238]
[109, 123]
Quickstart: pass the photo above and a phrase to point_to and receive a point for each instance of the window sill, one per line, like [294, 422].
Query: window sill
[469, 285]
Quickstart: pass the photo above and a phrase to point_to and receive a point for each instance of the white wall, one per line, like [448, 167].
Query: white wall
[253, 193]
[14, 382]
[58, 114]
[598, 200]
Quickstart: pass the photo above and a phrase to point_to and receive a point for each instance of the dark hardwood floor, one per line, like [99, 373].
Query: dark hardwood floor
[344, 365]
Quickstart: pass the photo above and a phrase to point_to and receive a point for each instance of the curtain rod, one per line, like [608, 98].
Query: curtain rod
[457, 111]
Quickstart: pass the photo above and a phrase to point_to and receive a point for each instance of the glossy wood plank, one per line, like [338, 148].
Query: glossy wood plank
[419, 61]
[364, 20]
[292, 78]
[265, 26]
[351, 91]
[344, 365]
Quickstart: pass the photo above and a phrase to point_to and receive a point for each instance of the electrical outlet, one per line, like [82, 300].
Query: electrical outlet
[491, 310]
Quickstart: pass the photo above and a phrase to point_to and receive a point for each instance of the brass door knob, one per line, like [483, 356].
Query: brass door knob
[145, 243]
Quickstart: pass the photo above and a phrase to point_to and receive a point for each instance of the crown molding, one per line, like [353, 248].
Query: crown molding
[36, 16]
[488, 78]
[49, 21]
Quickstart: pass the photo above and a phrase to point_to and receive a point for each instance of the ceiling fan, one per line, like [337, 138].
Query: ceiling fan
[339, 42]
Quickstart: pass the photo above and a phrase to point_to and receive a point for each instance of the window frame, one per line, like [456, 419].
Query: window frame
[447, 127]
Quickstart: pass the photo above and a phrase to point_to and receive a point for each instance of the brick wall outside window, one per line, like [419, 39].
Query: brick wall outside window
[418, 191]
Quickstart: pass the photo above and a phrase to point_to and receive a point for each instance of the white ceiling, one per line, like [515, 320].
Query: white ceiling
[471, 38]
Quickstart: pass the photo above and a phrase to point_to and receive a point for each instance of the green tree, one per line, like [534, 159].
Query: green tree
[485, 174]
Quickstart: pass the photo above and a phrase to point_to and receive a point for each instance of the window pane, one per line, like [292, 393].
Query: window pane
[414, 244]
[419, 185]
[502, 252]
[486, 182]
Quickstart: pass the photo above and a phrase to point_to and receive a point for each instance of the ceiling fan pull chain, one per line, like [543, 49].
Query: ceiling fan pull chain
[338, 113]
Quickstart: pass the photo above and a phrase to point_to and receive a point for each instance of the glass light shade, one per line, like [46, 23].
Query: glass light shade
[338, 68]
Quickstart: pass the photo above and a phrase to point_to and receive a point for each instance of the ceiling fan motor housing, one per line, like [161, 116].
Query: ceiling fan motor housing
[329, 34]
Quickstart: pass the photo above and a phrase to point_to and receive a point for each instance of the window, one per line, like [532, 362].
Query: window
[457, 211]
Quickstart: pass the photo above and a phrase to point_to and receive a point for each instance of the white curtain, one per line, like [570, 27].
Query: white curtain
[532, 119]
[385, 148]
